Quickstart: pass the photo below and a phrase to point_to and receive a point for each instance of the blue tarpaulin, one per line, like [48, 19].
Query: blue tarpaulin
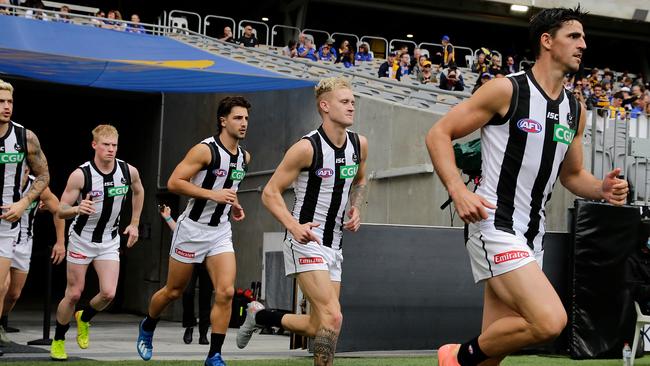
[104, 58]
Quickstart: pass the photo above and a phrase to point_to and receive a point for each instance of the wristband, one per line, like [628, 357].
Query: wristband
[168, 219]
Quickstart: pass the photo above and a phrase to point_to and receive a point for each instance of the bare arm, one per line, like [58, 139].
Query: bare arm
[582, 183]
[52, 204]
[166, 214]
[196, 159]
[491, 99]
[299, 156]
[358, 190]
[72, 191]
[237, 210]
[132, 230]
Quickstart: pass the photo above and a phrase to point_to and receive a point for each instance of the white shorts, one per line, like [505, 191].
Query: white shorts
[8, 238]
[22, 255]
[193, 242]
[495, 252]
[312, 256]
[82, 251]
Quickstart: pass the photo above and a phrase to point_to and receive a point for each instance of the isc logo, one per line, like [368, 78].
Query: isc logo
[553, 116]
[529, 125]
[237, 174]
[11, 158]
[118, 191]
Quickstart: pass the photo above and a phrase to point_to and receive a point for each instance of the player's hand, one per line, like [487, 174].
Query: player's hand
[227, 196]
[58, 253]
[41, 206]
[615, 190]
[165, 211]
[237, 212]
[14, 211]
[303, 234]
[133, 233]
[86, 206]
[470, 206]
[355, 220]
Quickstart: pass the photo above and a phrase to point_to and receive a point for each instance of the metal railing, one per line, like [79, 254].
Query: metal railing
[356, 44]
[206, 22]
[277, 26]
[193, 14]
[266, 26]
[406, 41]
[386, 51]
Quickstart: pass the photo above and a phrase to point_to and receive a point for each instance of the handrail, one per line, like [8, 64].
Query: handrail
[310, 31]
[390, 44]
[464, 48]
[379, 38]
[274, 32]
[239, 29]
[197, 15]
[206, 23]
[348, 35]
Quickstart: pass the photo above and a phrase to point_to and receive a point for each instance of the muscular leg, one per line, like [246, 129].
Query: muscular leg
[189, 320]
[16, 285]
[222, 269]
[5, 265]
[177, 278]
[76, 277]
[493, 310]
[108, 272]
[205, 299]
[324, 323]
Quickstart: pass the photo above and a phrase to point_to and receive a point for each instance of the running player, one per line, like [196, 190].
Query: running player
[327, 168]
[99, 187]
[531, 134]
[23, 248]
[210, 175]
[17, 144]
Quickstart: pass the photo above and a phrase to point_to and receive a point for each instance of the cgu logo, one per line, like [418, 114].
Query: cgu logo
[118, 191]
[237, 174]
[529, 125]
[219, 172]
[348, 171]
[11, 158]
[324, 173]
[563, 134]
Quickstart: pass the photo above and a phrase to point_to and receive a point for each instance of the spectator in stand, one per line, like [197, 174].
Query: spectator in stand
[616, 109]
[638, 90]
[135, 27]
[403, 66]
[248, 39]
[640, 106]
[448, 53]
[347, 57]
[330, 45]
[227, 35]
[364, 53]
[415, 60]
[64, 17]
[345, 45]
[577, 92]
[110, 23]
[480, 66]
[598, 99]
[325, 53]
[451, 79]
[386, 69]
[485, 77]
[3, 10]
[416, 68]
[98, 22]
[307, 51]
[426, 75]
[35, 14]
[608, 77]
[607, 88]
[510, 66]
[594, 78]
[495, 65]
[291, 49]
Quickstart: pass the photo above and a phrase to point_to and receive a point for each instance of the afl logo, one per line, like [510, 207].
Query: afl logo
[219, 172]
[529, 125]
[95, 194]
[324, 173]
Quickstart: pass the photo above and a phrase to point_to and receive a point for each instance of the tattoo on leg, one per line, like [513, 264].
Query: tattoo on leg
[324, 347]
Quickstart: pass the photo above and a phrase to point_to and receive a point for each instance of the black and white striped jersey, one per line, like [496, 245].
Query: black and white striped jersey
[225, 171]
[322, 190]
[13, 152]
[522, 156]
[27, 220]
[108, 192]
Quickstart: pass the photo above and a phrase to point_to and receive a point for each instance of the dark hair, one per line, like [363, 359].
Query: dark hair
[225, 106]
[619, 95]
[291, 43]
[549, 21]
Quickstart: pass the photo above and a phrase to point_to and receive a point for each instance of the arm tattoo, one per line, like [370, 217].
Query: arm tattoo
[357, 195]
[38, 165]
[324, 347]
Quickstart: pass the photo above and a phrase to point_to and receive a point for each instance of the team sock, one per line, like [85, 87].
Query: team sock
[4, 320]
[88, 314]
[470, 354]
[269, 318]
[216, 341]
[149, 324]
[60, 330]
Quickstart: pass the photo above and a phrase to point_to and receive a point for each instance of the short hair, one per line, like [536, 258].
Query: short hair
[6, 86]
[619, 95]
[549, 21]
[227, 104]
[330, 84]
[104, 131]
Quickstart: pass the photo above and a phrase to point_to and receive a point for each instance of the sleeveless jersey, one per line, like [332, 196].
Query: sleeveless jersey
[522, 157]
[108, 192]
[13, 152]
[225, 171]
[27, 220]
[322, 190]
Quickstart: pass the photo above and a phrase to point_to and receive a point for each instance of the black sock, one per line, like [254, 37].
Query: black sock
[268, 318]
[149, 324]
[3, 321]
[470, 354]
[59, 332]
[216, 341]
[88, 313]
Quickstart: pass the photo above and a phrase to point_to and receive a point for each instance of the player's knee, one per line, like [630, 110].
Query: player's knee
[224, 294]
[173, 293]
[332, 318]
[107, 295]
[13, 295]
[73, 295]
[550, 326]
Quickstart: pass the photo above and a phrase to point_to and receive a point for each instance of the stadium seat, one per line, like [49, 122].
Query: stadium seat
[641, 320]
[178, 22]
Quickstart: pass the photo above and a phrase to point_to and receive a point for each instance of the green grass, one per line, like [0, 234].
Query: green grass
[343, 361]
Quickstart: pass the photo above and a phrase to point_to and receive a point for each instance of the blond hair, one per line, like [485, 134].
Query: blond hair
[6, 86]
[104, 131]
[329, 84]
